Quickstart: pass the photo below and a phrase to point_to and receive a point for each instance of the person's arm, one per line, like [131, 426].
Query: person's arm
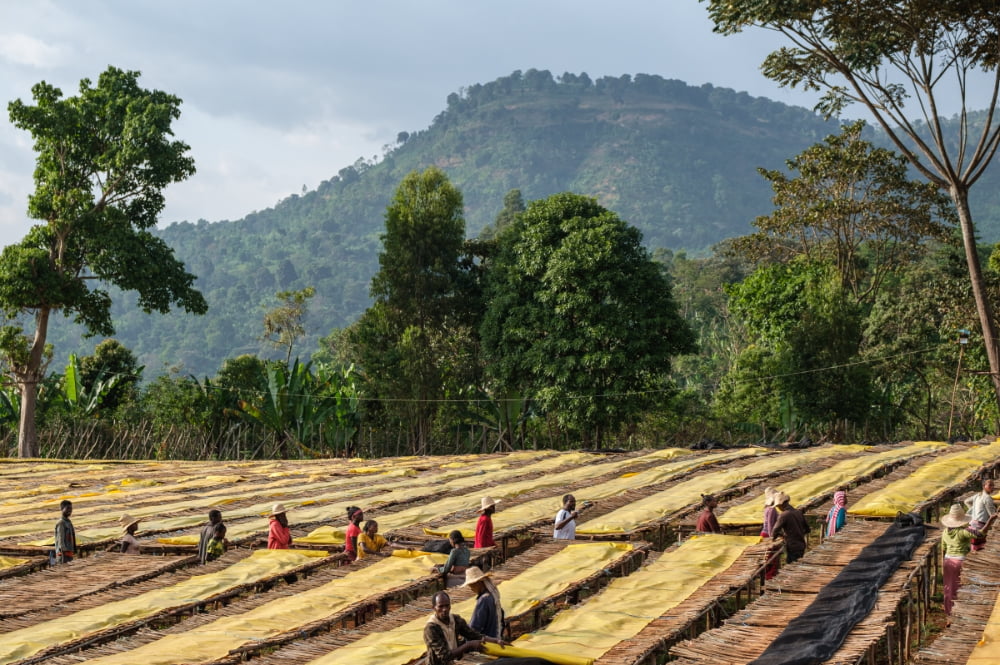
[570, 516]
[437, 646]
[989, 523]
[378, 542]
[473, 638]
[779, 526]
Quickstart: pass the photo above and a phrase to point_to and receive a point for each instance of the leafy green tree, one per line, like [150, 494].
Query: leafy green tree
[808, 335]
[513, 205]
[580, 318]
[882, 54]
[417, 294]
[104, 159]
[853, 206]
[285, 324]
[907, 337]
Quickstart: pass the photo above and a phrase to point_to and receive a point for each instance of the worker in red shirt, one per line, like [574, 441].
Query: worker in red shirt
[484, 527]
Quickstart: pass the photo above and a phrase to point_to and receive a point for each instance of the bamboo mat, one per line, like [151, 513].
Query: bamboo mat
[29, 566]
[598, 507]
[973, 608]
[80, 578]
[756, 486]
[748, 633]
[302, 651]
[57, 610]
[664, 631]
[392, 598]
[131, 624]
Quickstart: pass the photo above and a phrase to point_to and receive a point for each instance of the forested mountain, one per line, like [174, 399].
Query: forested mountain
[679, 162]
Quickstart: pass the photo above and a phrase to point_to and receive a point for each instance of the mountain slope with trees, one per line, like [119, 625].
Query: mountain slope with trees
[677, 162]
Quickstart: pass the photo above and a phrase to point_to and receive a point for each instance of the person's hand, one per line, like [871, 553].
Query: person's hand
[474, 645]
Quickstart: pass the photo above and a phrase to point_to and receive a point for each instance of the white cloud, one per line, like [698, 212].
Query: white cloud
[237, 175]
[20, 49]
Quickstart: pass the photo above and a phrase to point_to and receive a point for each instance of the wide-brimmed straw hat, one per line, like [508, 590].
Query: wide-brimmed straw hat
[956, 517]
[487, 502]
[780, 498]
[474, 574]
[769, 495]
[126, 521]
[277, 509]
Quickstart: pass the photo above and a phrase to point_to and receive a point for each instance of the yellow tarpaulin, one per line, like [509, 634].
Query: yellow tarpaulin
[530, 512]
[401, 489]
[404, 488]
[905, 494]
[807, 488]
[581, 634]
[11, 561]
[688, 493]
[215, 640]
[334, 535]
[25, 642]
[517, 595]
[987, 650]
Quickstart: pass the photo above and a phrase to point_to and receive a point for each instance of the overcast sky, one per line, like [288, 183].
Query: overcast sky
[281, 95]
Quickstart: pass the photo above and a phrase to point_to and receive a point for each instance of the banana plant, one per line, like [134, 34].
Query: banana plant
[80, 398]
[304, 409]
[10, 406]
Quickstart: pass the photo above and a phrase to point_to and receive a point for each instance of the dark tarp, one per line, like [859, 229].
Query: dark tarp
[816, 634]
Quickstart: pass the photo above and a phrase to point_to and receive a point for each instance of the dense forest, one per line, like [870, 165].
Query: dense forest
[707, 279]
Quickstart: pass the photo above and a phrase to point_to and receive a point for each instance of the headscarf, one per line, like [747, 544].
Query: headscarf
[839, 503]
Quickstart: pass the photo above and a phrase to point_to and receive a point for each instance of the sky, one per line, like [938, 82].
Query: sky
[277, 96]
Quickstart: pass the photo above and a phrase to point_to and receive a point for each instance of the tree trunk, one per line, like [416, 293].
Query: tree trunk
[27, 437]
[27, 379]
[960, 195]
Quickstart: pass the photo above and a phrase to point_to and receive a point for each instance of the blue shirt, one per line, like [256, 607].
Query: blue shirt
[484, 617]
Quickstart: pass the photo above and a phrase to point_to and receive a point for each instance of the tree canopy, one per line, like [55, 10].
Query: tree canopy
[579, 317]
[885, 54]
[104, 158]
[417, 293]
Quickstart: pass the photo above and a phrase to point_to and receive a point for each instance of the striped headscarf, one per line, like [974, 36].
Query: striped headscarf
[839, 503]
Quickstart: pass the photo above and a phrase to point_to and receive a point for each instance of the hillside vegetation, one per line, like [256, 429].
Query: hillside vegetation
[676, 161]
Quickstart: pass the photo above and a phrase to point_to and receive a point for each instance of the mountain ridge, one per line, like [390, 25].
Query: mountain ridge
[677, 161]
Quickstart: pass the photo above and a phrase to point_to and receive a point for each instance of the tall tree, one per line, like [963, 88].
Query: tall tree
[416, 295]
[882, 53]
[104, 159]
[580, 318]
[284, 325]
[852, 205]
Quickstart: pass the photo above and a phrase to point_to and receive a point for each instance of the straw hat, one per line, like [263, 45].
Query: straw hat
[126, 521]
[780, 498]
[769, 495]
[487, 502]
[956, 517]
[474, 574]
[277, 509]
